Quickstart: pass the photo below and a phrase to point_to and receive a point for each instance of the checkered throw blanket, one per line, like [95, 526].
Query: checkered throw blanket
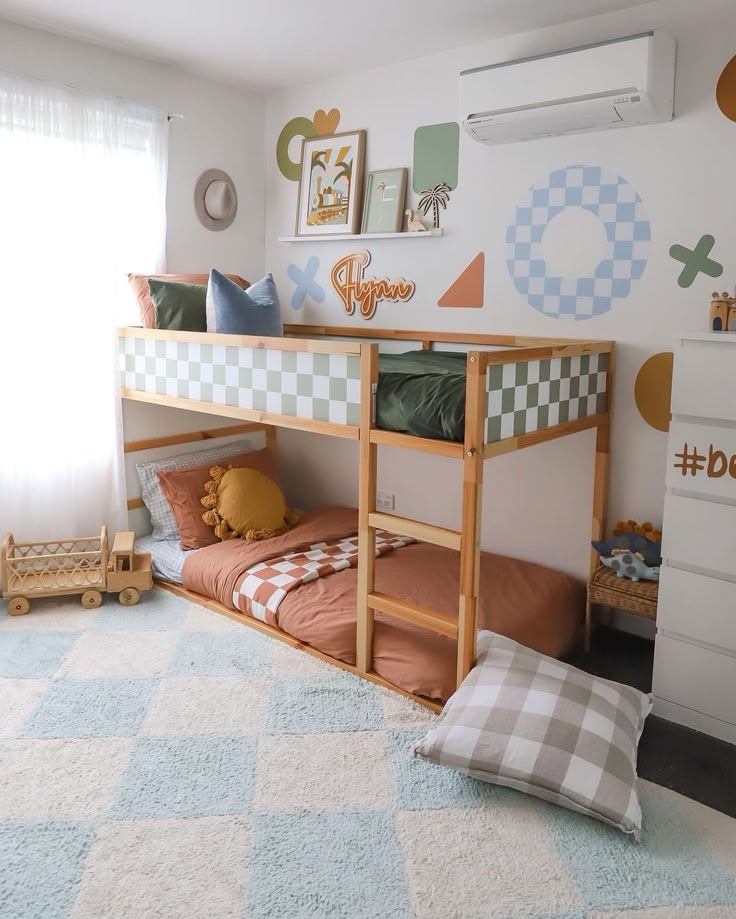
[265, 585]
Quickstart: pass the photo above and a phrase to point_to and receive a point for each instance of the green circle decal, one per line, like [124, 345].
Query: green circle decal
[294, 128]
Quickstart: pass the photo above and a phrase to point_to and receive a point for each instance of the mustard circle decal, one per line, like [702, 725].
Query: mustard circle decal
[653, 390]
[726, 90]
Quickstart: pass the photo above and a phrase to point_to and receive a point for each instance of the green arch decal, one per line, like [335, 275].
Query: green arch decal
[294, 128]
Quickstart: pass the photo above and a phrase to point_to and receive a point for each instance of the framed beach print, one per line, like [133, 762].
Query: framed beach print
[331, 184]
[383, 208]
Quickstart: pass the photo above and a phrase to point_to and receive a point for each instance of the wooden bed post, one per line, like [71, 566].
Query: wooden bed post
[600, 487]
[475, 413]
[367, 473]
[271, 438]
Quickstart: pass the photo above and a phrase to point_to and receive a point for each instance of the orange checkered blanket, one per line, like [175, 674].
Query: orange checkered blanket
[265, 585]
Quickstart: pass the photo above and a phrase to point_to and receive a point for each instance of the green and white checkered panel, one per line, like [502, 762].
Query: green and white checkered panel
[533, 395]
[300, 384]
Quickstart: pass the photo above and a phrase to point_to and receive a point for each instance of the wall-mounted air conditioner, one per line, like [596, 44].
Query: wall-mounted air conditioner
[613, 84]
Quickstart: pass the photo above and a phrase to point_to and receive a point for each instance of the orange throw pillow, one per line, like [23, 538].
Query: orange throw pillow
[183, 489]
[139, 283]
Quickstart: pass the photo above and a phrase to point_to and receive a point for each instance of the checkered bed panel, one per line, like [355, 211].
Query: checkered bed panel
[533, 395]
[318, 387]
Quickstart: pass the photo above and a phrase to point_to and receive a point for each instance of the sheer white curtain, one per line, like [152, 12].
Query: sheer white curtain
[82, 202]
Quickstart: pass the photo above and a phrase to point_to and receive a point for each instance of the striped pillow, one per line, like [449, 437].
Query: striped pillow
[535, 724]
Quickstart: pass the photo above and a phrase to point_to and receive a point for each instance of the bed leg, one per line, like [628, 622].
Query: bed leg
[475, 412]
[368, 463]
[600, 487]
[588, 626]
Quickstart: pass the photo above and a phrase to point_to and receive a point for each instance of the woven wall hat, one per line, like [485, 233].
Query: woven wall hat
[215, 199]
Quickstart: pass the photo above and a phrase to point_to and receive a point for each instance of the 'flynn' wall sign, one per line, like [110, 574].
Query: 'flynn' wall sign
[354, 289]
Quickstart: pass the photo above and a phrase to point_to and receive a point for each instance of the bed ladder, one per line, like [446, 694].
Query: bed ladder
[465, 541]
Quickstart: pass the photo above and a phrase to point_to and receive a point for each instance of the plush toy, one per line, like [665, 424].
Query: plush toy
[245, 502]
[631, 565]
[628, 535]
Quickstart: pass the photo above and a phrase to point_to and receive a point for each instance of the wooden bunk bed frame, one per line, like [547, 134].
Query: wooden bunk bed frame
[151, 371]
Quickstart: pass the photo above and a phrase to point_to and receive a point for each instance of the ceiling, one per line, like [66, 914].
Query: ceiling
[272, 43]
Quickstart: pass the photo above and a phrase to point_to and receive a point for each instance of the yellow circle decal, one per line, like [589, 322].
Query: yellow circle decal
[653, 390]
[726, 90]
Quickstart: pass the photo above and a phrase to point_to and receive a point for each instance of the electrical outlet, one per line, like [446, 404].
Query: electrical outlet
[385, 500]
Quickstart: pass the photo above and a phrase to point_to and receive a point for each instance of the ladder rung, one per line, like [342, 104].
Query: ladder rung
[418, 615]
[426, 532]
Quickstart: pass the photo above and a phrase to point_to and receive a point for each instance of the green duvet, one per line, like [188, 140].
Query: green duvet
[422, 393]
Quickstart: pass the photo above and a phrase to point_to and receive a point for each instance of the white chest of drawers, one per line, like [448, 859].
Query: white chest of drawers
[695, 648]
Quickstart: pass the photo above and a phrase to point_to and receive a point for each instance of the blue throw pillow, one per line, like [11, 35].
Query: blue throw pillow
[255, 311]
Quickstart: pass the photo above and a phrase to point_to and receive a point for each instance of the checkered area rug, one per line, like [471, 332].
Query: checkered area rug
[163, 761]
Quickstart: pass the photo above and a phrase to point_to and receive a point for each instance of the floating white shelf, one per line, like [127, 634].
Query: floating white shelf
[357, 236]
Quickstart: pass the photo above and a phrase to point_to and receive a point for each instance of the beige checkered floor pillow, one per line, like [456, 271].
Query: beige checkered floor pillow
[535, 724]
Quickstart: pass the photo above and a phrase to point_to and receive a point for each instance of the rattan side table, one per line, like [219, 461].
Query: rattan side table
[606, 588]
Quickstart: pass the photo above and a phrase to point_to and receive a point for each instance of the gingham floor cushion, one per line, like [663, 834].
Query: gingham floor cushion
[162, 520]
[535, 724]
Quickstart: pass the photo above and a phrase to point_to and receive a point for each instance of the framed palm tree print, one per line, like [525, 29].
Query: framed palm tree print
[331, 184]
[383, 207]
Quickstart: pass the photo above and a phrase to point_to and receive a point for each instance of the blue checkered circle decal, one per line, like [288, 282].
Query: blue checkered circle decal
[628, 234]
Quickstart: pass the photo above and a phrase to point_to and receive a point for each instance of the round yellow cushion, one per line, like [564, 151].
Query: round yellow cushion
[245, 502]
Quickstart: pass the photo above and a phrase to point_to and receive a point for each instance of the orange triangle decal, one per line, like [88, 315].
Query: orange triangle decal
[468, 289]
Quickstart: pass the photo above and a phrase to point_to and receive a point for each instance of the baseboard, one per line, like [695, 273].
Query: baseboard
[671, 711]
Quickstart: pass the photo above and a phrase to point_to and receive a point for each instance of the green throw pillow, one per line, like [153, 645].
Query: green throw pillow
[179, 306]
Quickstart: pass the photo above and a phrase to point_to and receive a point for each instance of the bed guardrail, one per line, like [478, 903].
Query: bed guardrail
[539, 394]
[298, 383]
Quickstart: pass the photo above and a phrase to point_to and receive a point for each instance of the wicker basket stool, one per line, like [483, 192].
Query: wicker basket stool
[607, 589]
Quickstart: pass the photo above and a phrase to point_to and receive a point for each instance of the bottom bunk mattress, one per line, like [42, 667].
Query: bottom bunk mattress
[532, 604]
[167, 557]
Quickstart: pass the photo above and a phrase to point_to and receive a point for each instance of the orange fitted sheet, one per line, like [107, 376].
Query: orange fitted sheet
[532, 604]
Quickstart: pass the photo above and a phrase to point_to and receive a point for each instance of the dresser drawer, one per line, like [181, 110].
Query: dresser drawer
[702, 382]
[699, 534]
[698, 607]
[702, 458]
[696, 678]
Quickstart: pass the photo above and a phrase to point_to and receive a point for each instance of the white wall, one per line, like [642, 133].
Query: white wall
[537, 502]
[222, 127]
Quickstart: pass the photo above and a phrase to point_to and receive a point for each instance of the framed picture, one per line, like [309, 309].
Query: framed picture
[385, 193]
[331, 184]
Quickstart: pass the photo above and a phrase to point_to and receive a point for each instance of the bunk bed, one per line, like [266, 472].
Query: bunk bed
[518, 392]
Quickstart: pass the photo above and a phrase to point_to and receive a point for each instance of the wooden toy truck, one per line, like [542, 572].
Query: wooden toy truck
[83, 566]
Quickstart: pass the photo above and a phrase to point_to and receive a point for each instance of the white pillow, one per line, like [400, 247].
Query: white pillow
[162, 520]
[535, 724]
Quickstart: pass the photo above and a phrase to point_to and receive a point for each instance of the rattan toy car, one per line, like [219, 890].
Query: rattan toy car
[83, 566]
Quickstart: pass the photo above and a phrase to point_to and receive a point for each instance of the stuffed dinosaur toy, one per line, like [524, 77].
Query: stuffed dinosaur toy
[631, 565]
[637, 538]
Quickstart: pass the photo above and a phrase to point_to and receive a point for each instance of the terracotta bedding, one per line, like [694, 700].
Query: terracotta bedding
[529, 603]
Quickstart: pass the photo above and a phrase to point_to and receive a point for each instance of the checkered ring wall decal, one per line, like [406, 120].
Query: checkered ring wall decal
[533, 395]
[628, 233]
[299, 384]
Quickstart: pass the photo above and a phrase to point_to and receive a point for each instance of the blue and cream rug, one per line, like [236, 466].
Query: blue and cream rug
[162, 761]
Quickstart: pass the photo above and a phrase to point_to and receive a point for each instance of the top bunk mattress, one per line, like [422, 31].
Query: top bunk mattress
[422, 393]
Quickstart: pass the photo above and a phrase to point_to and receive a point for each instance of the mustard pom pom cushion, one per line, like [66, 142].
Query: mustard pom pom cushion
[245, 502]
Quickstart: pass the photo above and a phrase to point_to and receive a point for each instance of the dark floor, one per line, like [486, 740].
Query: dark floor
[693, 764]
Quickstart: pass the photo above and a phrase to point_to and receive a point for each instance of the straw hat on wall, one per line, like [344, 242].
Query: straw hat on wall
[215, 199]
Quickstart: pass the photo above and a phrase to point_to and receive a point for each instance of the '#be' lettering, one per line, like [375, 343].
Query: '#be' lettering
[719, 464]
[715, 465]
